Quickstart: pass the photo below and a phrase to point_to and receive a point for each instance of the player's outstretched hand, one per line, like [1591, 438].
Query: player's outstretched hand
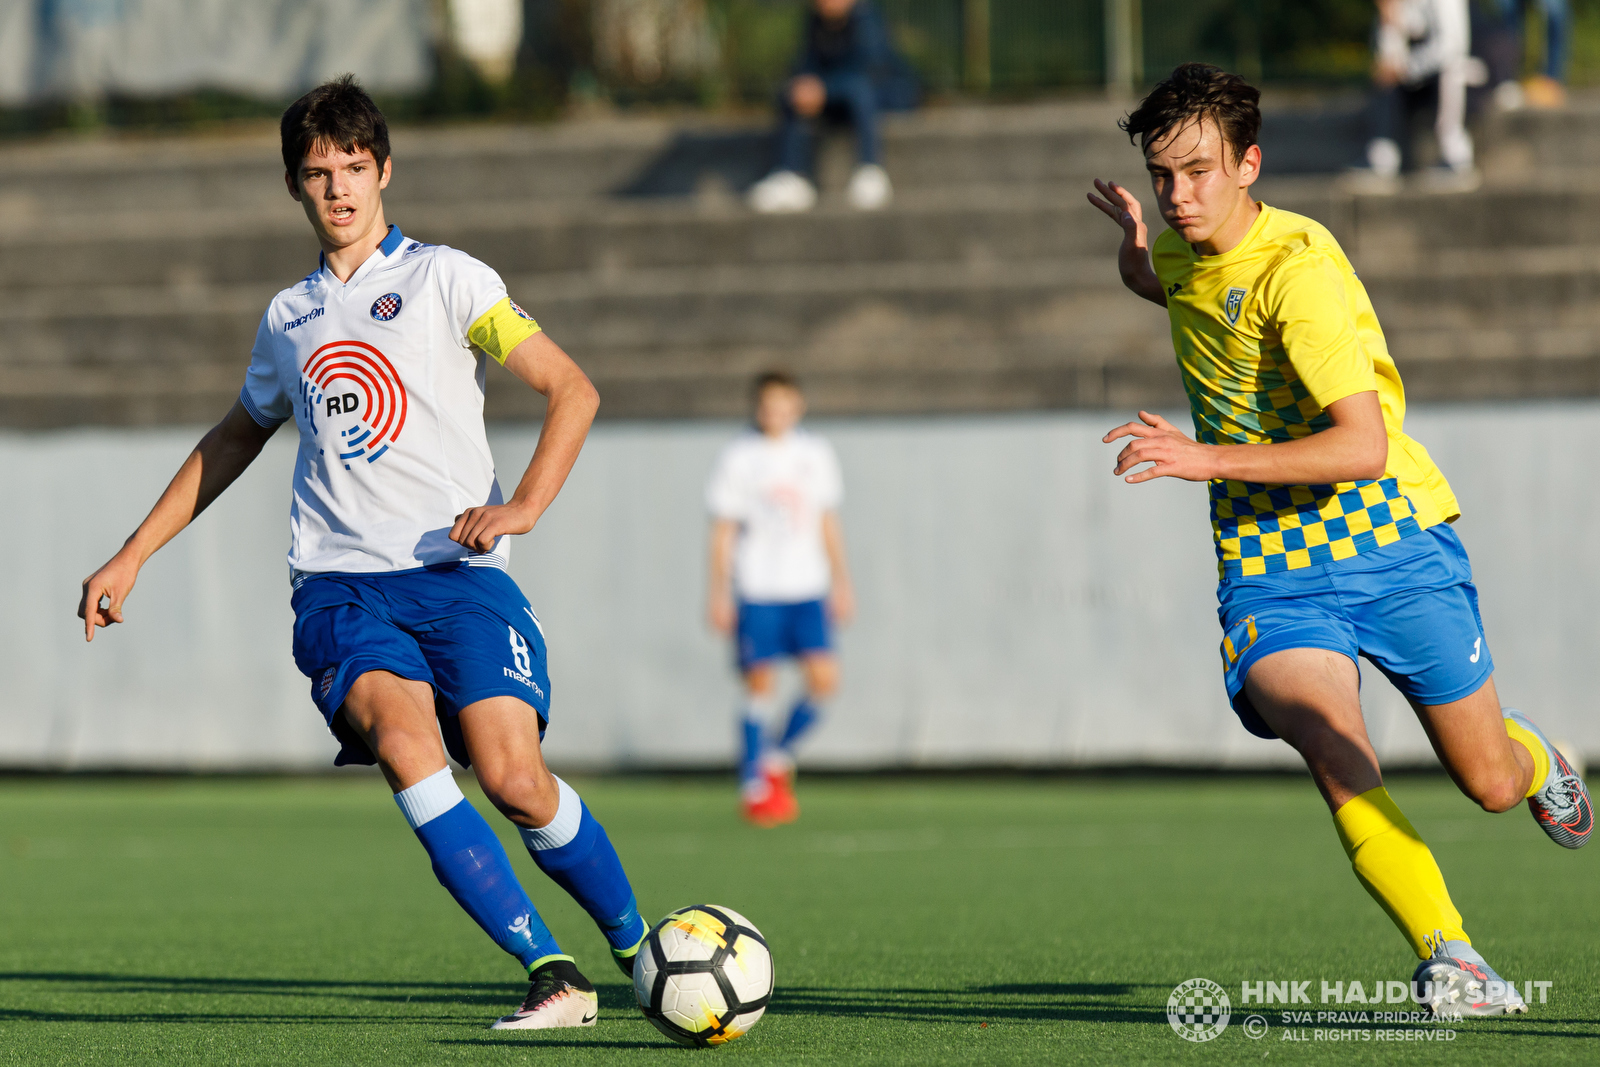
[479, 528]
[1133, 258]
[1173, 453]
[111, 583]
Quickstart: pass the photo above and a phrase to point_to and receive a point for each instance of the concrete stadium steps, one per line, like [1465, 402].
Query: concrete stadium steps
[135, 273]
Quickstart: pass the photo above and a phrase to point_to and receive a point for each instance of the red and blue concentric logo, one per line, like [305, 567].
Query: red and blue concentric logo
[351, 378]
[386, 307]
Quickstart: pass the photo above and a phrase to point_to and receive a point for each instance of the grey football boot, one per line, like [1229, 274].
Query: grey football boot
[1561, 806]
[1456, 982]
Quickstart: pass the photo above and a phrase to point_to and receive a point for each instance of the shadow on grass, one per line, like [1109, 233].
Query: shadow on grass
[477, 1000]
[529, 1042]
[1028, 1002]
[436, 1002]
[473, 1003]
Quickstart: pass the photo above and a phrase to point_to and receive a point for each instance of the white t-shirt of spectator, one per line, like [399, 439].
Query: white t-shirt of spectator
[387, 393]
[777, 491]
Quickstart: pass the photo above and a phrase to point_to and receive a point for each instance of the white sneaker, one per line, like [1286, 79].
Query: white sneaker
[869, 188]
[782, 192]
[558, 995]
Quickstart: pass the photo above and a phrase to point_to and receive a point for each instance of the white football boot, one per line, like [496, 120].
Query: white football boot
[558, 996]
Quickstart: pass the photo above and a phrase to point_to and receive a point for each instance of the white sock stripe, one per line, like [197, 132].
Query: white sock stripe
[561, 829]
[430, 798]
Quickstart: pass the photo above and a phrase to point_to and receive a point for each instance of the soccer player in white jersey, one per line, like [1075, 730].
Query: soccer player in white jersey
[415, 639]
[778, 580]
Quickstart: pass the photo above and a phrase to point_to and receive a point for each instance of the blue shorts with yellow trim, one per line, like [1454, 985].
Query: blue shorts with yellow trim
[465, 630]
[1409, 607]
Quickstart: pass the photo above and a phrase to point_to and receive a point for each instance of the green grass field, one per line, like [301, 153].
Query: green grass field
[912, 921]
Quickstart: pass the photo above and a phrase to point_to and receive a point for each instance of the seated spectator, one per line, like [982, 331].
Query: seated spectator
[1423, 63]
[850, 73]
[1546, 89]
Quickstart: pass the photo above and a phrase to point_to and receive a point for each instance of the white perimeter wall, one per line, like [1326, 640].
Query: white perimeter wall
[1018, 605]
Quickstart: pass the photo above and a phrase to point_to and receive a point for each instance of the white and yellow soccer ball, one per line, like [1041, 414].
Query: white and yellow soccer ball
[703, 975]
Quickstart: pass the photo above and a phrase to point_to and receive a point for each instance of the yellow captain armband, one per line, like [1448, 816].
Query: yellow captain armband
[501, 329]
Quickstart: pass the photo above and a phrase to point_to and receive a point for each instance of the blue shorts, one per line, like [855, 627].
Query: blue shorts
[1409, 607]
[767, 631]
[467, 631]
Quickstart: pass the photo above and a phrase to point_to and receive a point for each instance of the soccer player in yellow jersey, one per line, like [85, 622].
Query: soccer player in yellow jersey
[1332, 526]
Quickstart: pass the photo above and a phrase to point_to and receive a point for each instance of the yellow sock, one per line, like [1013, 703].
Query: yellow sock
[1541, 758]
[1398, 870]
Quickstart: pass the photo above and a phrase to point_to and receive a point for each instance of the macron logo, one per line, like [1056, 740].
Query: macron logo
[314, 313]
[529, 682]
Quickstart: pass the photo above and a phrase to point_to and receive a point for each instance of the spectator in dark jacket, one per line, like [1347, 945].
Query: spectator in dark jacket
[849, 72]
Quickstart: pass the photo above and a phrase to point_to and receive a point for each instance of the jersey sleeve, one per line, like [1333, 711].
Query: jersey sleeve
[264, 395]
[481, 313]
[725, 495]
[1307, 304]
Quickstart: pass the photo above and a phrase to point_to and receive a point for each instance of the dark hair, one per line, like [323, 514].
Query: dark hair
[337, 113]
[1193, 93]
[774, 379]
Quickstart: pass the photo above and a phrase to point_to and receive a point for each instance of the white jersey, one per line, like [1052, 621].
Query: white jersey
[387, 392]
[777, 491]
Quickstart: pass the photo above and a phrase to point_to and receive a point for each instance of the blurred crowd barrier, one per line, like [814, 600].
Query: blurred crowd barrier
[186, 62]
[86, 49]
[1019, 606]
[116, 61]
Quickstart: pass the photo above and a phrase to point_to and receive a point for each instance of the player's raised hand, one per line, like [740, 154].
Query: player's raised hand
[1133, 258]
[112, 583]
[479, 528]
[1173, 453]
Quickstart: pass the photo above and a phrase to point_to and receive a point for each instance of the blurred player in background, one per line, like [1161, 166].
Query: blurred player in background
[406, 621]
[778, 584]
[1332, 526]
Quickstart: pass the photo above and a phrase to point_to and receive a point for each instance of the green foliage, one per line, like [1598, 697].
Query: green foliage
[912, 921]
[759, 41]
[1271, 40]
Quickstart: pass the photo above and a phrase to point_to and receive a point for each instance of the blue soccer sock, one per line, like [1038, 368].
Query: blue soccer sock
[802, 718]
[750, 758]
[758, 710]
[469, 861]
[575, 852]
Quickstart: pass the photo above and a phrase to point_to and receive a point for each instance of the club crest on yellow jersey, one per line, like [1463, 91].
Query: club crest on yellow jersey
[1234, 304]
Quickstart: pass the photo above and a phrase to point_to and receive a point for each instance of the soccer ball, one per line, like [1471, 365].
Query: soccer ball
[703, 975]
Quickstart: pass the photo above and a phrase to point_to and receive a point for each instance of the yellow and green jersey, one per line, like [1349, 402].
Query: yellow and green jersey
[1268, 334]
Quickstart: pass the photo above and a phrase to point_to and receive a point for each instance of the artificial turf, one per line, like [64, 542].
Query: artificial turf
[911, 920]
